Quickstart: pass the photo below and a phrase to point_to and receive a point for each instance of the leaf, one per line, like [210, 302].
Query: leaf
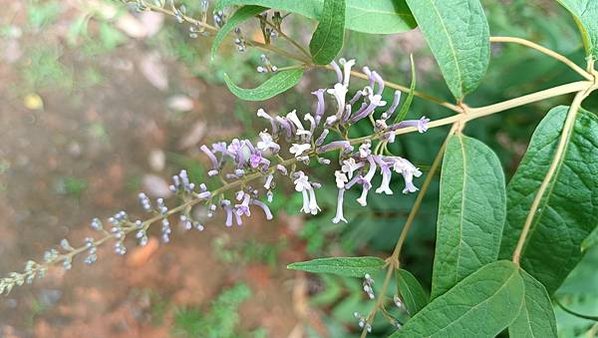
[329, 36]
[407, 105]
[481, 305]
[585, 14]
[569, 210]
[279, 83]
[458, 35]
[242, 14]
[343, 266]
[411, 292]
[536, 318]
[472, 211]
[375, 17]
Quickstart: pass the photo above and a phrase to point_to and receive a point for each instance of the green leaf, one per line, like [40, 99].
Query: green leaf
[242, 14]
[343, 266]
[585, 14]
[279, 83]
[329, 36]
[481, 305]
[536, 318]
[411, 292]
[407, 105]
[375, 17]
[472, 211]
[458, 35]
[568, 211]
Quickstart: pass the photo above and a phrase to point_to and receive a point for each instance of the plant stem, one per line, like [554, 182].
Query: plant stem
[393, 260]
[379, 301]
[405, 89]
[546, 51]
[419, 199]
[557, 161]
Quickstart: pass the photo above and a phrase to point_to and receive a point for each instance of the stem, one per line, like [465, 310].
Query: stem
[379, 301]
[554, 167]
[405, 89]
[569, 88]
[289, 39]
[544, 50]
[394, 258]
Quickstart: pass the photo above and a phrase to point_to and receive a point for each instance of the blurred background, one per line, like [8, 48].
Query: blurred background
[99, 102]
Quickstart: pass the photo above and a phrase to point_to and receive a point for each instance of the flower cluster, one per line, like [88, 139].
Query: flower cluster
[249, 170]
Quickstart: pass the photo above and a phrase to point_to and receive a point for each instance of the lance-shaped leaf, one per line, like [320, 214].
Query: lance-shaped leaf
[585, 14]
[471, 214]
[568, 211]
[481, 305]
[536, 318]
[411, 292]
[329, 36]
[343, 266]
[458, 35]
[279, 83]
[375, 17]
[242, 14]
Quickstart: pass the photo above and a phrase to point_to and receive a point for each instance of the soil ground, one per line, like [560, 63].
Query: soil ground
[81, 145]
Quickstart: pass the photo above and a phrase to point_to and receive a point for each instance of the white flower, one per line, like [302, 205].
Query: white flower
[349, 166]
[267, 143]
[303, 186]
[312, 122]
[367, 183]
[364, 150]
[340, 94]
[376, 100]
[341, 179]
[386, 177]
[313, 204]
[262, 113]
[347, 65]
[299, 149]
[292, 116]
[408, 170]
[339, 208]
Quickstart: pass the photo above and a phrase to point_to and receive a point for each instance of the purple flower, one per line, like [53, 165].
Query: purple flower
[379, 81]
[386, 176]
[337, 70]
[334, 145]
[322, 137]
[262, 113]
[226, 205]
[268, 182]
[267, 143]
[408, 171]
[366, 183]
[393, 107]
[375, 101]
[256, 160]
[212, 158]
[368, 72]
[243, 208]
[264, 207]
[421, 125]
[349, 166]
[321, 105]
